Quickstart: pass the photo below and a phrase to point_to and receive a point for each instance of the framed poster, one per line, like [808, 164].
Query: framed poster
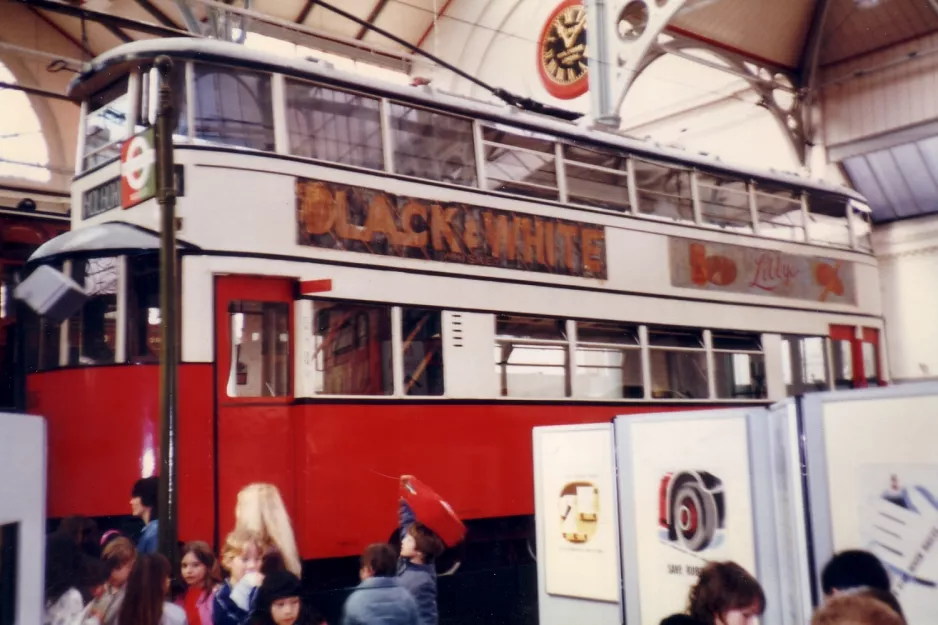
[576, 511]
[685, 500]
[872, 460]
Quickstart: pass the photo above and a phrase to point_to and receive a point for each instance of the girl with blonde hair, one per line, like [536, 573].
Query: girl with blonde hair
[260, 510]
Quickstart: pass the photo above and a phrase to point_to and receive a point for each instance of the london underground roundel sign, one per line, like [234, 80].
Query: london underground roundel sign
[138, 169]
[561, 51]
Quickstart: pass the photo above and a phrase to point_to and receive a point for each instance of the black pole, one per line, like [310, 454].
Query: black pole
[166, 194]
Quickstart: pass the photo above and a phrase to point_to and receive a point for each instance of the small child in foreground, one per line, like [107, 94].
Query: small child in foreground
[241, 557]
[379, 598]
[279, 602]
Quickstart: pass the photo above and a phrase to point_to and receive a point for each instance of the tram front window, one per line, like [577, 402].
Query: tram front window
[92, 332]
[106, 123]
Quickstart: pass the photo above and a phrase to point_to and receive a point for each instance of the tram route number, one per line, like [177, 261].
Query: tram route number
[101, 199]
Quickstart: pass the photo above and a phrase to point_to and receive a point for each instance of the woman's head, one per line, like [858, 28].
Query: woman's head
[278, 599]
[63, 565]
[199, 566]
[855, 610]
[119, 555]
[146, 590]
[241, 554]
[725, 594]
[260, 510]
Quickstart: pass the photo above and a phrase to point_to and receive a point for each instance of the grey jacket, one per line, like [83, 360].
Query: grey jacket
[380, 601]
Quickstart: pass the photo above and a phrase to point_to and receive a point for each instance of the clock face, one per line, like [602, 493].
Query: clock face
[562, 61]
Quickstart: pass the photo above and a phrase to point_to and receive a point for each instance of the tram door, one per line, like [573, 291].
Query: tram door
[855, 356]
[254, 388]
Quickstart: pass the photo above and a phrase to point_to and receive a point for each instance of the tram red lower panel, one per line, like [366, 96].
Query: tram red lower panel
[103, 434]
[336, 464]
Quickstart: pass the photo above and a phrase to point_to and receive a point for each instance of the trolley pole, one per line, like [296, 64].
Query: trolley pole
[169, 325]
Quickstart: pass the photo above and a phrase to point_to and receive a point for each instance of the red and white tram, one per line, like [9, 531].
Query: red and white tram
[380, 280]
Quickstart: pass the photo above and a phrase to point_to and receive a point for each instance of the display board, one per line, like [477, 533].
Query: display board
[872, 460]
[686, 498]
[577, 489]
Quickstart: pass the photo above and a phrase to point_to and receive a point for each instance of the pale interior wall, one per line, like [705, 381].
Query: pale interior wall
[58, 118]
[908, 260]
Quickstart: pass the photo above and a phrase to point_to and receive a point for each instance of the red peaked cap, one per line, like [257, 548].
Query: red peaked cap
[432, 511]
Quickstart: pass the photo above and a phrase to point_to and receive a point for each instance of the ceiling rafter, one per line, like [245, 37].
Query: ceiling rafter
[117, 32]
[98, 17]
[61, 31]
[301, 18]
[157, 14]
[372, 16]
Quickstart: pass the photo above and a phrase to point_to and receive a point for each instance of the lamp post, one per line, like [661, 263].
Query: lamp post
[169, 318]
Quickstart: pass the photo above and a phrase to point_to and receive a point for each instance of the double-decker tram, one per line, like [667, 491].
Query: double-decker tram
[378, 280]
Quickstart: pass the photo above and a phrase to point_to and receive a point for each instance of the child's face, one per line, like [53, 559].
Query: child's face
[366, 572]
[408, 546]
[285, 611]
[193, 571]
[119, 575]
[248, 561]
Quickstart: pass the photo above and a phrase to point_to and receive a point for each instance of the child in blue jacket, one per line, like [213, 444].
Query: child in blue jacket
[416, 571]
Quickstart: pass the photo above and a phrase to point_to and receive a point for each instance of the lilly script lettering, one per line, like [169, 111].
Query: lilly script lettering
[771, 271]
[349, 218]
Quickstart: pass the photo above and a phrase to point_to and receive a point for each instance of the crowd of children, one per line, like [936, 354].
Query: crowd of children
[256, 580]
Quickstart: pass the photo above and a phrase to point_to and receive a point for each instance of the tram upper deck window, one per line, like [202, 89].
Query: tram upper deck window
[334, 125]
[92, 331]
[678, 363]
[260, 341]
[106, 123]
[531, 356]
[724, 202]
[780, 214]
[520, 162]
[827, 219]
[148, 100]
[596, 177]
[353, 354]
[234, 107]
[432, 145]
[664, 190]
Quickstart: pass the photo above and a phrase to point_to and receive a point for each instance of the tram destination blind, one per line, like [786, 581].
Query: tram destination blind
[101, 199]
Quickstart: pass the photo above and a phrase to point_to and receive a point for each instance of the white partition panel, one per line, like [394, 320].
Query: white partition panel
[872, 466]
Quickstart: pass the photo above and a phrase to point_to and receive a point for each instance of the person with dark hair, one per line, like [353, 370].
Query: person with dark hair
[202, 575]
[73, 581]
[143, 505]
[379, 599]
[145, 599]
[279, 602]
[854, 569]
[725, 594]
[83, 532]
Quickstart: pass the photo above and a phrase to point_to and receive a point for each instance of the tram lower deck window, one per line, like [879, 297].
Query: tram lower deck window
[678, 364]
[260, 344]
[353, 352]
[92, 332]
